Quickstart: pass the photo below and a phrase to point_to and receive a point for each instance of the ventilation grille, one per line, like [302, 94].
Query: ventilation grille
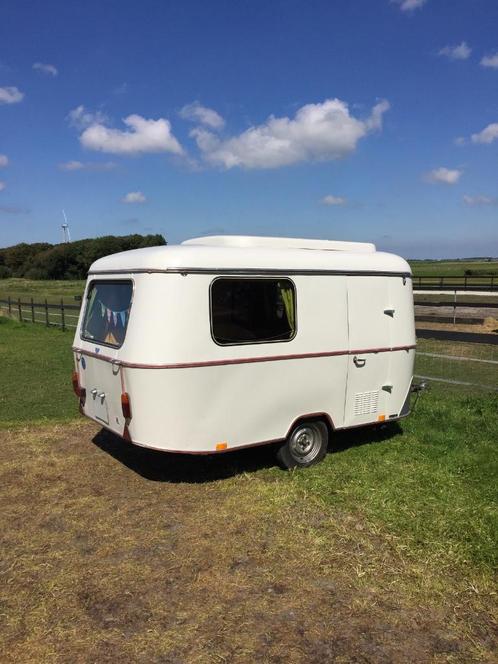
[366, 402]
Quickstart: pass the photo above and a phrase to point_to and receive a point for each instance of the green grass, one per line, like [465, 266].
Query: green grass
[452, 268]
[35, 378]
[39, 290]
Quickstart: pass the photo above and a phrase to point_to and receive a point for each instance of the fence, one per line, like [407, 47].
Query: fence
[465, 283]
[456, 311]
[59, 315]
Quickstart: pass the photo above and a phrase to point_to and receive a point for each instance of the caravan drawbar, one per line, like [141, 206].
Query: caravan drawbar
[227, 342]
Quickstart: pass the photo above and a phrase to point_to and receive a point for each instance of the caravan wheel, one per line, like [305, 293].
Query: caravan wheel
[306, 445]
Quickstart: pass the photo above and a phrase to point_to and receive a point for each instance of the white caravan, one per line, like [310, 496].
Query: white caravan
[226, 342]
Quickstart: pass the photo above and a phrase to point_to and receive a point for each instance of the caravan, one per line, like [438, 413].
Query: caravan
[227, 342]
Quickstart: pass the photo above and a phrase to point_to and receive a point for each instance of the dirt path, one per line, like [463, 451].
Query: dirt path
[112, 553]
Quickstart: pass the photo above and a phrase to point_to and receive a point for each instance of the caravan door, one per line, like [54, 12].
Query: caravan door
[367, 391]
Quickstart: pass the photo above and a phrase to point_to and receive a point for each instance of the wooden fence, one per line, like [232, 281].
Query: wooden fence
[61, 315]
[461, 283]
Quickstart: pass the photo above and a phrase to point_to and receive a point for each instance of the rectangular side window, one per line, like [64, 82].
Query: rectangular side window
[107, 312]
[250, 311]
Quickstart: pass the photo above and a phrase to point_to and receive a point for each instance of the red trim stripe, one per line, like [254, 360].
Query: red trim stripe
[242, 360]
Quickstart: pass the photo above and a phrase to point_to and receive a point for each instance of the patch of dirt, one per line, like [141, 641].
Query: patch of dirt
[113, 553]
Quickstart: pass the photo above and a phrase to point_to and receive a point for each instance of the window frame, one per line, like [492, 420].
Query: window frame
[90, 285]
[252, 278]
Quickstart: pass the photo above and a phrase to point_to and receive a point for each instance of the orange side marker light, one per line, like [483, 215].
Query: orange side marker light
[221, 446]
[381, 418]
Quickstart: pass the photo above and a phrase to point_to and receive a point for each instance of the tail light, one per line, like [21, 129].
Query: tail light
[126, 405]
[79, 391]
[75, 379]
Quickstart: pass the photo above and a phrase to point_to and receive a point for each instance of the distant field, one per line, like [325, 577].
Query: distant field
[40, 289]
[453, 268]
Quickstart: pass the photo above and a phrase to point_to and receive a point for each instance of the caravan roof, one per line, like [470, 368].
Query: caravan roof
[232, 253]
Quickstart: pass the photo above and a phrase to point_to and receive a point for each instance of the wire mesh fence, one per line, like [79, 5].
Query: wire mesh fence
[464, 364]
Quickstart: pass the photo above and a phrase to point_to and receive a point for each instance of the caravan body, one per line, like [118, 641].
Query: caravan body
[221, 343]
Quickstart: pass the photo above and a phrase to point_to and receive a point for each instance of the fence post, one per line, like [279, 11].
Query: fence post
[62, 315]
[492, 282]
[454, 308]
[46, 313]
[32, 311]
[19, 309]
[10, 306]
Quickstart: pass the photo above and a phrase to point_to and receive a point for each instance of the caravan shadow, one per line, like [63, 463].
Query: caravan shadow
[178, 467]
[197, 469]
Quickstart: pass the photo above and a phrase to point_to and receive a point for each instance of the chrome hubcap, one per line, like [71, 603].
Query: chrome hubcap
[305, 443]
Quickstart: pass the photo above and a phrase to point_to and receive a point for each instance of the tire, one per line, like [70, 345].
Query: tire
[306, 445]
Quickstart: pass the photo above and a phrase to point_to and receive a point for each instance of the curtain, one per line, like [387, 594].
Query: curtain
[287, 294]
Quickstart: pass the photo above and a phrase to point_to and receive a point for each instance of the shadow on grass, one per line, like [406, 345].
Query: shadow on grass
[198, 469]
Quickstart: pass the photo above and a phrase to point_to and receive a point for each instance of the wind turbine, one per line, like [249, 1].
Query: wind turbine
[65, 229]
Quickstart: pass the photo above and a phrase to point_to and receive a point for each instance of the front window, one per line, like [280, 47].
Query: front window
[245, 311]
[107, 312]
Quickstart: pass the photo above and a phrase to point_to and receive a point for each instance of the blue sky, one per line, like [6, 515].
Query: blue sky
[369, 120]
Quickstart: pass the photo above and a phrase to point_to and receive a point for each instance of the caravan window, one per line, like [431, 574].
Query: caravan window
[107, 312]
[245, 311]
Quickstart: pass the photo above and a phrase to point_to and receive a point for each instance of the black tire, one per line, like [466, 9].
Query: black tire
[306, 445]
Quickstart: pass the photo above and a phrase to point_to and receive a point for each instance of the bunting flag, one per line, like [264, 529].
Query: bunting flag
[108, 315]
[115, 318]
[123, 317]
[102, 310]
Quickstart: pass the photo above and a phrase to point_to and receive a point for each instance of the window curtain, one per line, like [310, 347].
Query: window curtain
[287, 295]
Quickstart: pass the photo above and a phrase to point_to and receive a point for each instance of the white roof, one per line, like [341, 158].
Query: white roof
[239, 253]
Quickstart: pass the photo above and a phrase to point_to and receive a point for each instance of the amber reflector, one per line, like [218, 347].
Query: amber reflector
[221, 446]
[381, 418]
[126, 405]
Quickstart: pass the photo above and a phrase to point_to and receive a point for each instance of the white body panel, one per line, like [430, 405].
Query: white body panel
[188, 393]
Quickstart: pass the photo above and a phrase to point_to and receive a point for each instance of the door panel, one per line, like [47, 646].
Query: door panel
[368, 384]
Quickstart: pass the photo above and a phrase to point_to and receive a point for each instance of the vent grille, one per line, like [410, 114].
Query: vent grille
[366, 403]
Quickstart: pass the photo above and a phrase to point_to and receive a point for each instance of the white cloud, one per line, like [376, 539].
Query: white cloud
[2, 185]
[460, 140]
[206, 116]
[490, 61]
[10, 95]
[4, 160]
[47, 69]
[409, 5]
[80, 118]
[445, 175]
[134, 197]
[87, 166]
[333, 200]
[479, 200]
[460, 52]
[487, 135]
[144, 136]
[318, 132]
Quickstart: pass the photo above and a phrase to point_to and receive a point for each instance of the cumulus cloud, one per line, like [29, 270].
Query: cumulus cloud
[317, 132]
[479, 200]
[80, 118]
[47, 69]
[87, 166]
[487, 135]
[206, 116]
[490, 61]
[4, 160]
[142, 136]
[460, 52]
[444, 175]
[409, 5]
[2, 185]
[333, 200]
[134, 197]
[10, 95]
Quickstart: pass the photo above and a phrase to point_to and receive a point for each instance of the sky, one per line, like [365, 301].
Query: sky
[367, 120]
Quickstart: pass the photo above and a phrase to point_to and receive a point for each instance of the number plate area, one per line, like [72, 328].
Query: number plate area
[98, 406]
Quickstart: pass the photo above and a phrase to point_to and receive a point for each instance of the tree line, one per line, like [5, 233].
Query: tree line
[70, 260]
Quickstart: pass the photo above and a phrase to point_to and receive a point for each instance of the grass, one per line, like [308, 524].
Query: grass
[39, 290]
[384, 552]
[453, 268]
[35, 380]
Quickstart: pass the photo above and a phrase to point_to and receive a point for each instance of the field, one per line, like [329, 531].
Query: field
[385, 552]
[455, 268]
